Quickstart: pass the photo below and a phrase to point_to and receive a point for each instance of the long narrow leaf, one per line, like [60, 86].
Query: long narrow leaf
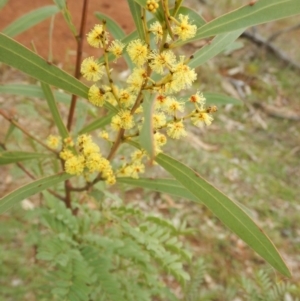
[169, 186]
[146, 134]
[54, 111]
[14, 54]
[219, 99]
[32, 91]
[29, 20]
[218, 44]
[97, 124]
[249, 15]
[226, 210]
[30, 189]
[136, 12]
[62, 5]
[8, 157]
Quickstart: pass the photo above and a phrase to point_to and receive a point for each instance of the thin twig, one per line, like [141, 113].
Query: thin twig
[79, 40]
[16, 124]
[282, 31]
[261, 41]
[30, 175]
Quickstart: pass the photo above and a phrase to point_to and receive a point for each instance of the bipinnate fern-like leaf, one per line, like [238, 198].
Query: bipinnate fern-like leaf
[193, 288]
[263, 288]
[112, 254]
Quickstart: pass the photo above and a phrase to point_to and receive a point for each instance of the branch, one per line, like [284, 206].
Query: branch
[261, 41]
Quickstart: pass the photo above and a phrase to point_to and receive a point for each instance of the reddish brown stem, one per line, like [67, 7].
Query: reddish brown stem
[79, 40]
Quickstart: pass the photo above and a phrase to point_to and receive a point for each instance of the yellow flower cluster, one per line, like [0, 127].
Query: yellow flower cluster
[86, 159]
[134, 167]
[173, 74]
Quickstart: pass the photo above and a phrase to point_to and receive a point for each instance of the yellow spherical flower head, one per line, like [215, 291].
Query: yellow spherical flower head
[159, 140]
[183, 75]
[83, 139]
[75, 165]
[116, 48]
[66, 154]
[96, 96]
[136, 79]
[138, 52]
[159, 120]
[198, 98]
[137, 168]
[159, 61]
[184, 29]
[93, 162]
[152, 6]
[53, 141]
[157, 30]
[131, 170]
[126, 99]
[104, 135]
[161, 102]
[68, 142]
[201, 118]
[176, 129]
[91, 70]
[173, 106]
[138, 155]
[123, 120]
[97, 37]
[89, 148]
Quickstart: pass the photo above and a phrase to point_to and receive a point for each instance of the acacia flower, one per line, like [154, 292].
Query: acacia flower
[161, 101]
[91, 70]
[123, 120]
[159, 140]
[136, 79]
[104, 135]
[89, 148]
[131, 170]
[75, 165]
[66, 154]
[116, 47]
[157, 30]
[126, 98]
[183, 75]
[152, 6]
[96, 96]
[83, 140]
[159, 120]
[93, 162]
[174, 106]
[138, 52]
[159, 61]
[137, 168]
[201, 118]
[176, 129]
[138, 155]
[184, 29]
[198, 98]
[97, 37]
[68, 142]
[53, 141]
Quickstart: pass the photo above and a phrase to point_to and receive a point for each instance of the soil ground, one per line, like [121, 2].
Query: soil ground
[64, 44]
